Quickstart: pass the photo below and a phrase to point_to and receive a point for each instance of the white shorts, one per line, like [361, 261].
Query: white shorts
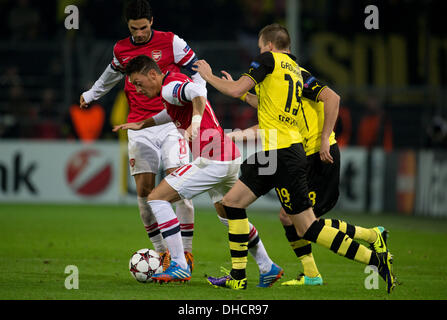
[201, 175]
[151, 146]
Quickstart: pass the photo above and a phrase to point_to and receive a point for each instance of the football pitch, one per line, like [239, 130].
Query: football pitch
[38, 242]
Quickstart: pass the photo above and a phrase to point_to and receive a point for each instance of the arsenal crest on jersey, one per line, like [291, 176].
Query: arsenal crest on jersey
[156, 55]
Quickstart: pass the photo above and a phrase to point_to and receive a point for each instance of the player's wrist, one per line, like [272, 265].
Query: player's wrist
[243, 96]
[196, 119]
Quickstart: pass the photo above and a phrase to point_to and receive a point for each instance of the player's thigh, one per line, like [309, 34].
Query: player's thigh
[164, 192]
[227, 182]
[239, 196]
[144, 152]
[145, 183]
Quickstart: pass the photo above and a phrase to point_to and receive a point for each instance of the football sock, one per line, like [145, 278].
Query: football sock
[354, 232]
[184, 210]
[338, 242]
[238, 232]
[303, 250]
[255, 248]
[151, 225]
[170, 230]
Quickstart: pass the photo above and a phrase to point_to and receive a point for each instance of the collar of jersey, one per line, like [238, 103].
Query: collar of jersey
[164, 78]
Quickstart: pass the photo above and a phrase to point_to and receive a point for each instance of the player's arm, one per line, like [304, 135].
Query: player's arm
[315, 90]
[247, 97]
[197, 94]
[159, 119]
[248, 134]
[109, 78]
[235, 89]
[331, 102]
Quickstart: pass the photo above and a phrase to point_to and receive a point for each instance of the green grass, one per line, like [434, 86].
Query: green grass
[37, 242]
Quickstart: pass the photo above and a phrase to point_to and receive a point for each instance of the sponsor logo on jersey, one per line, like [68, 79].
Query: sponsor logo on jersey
[187, 48]
[255, 65]
[156, 55]
[308, 82]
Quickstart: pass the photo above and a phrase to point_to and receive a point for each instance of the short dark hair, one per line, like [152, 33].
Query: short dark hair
[138, 9]
[276, 34]
[142, 64]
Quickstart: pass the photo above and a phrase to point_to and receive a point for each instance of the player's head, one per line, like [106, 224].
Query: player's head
[274, 37]
[139, 20]
[145, 75]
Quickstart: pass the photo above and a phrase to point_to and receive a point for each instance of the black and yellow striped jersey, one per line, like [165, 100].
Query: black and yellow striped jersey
[279, 87]
[311, 118]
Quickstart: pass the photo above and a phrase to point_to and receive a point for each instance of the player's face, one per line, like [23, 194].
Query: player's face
[146, 84]
[140, 29]
[264, 46]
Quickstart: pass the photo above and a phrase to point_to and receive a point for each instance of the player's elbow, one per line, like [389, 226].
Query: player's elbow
[236, 92]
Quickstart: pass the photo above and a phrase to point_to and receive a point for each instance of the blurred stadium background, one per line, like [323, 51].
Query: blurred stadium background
[393, 115]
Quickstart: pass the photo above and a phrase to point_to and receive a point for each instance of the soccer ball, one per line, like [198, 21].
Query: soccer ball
[144, 263]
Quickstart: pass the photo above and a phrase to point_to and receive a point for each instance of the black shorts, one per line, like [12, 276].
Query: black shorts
[283, 169]
[323, 181]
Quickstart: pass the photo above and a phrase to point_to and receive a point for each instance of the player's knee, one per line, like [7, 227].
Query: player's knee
[284, 218]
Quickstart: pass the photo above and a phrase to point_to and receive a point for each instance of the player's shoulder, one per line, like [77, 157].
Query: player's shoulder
[121, 45]
[162, 36]
[176, 76]
[172, 87]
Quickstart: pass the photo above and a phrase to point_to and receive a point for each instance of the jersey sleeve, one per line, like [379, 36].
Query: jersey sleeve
[172, 93]
[178, 93]
[109, 78]
[116, 64]
[183, 54]
[261, 66]
[312, 87]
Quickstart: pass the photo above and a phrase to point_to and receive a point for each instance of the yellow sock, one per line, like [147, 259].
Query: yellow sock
[309, 266]
[368, 235]
[338, 242]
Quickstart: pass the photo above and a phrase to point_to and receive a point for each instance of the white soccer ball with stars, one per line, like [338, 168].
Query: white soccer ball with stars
[144, 263]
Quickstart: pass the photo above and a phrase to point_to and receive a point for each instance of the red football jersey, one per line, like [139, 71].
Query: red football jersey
[212, 142]
[167, 49]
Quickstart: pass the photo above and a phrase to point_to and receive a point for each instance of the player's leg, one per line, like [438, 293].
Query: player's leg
[174, 154]
[293, 195]
[303, 250]
[184, 210]
[144, 160]
[234, 204]
[323, 180]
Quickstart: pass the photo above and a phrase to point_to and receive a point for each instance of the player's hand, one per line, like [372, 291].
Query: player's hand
[128, 126]
[325, 155]
[192, 132]
[226, 76]
[202, 67]
[82, 103]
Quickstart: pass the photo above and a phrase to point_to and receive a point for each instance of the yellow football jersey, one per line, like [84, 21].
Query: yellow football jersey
[279, 86]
